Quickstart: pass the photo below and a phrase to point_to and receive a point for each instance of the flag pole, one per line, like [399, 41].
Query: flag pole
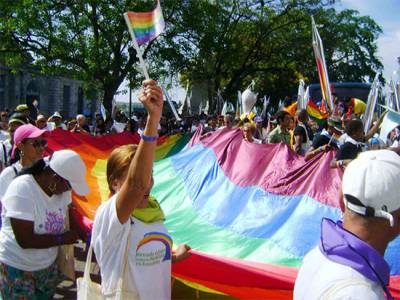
[177, 117]
[136, 46]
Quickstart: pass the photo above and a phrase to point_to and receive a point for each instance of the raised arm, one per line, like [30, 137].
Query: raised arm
[139, 177]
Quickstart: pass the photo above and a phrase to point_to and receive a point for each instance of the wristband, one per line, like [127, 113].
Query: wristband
[148, 138]
[60, 239]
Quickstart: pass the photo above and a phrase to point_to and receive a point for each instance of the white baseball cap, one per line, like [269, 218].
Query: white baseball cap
[69, 165]
[56, 115]
[371, 184]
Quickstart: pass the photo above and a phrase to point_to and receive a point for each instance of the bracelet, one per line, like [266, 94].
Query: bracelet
[148, 138]
[60, 239]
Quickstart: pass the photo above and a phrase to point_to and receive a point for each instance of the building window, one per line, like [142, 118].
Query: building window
[66, 100]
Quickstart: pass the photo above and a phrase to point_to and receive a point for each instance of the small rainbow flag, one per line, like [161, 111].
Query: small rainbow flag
[146, 25]
[315, 112]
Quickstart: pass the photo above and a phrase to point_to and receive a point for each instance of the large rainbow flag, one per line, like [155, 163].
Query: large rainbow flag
[250, 212]
[95, 151]
[146, 25]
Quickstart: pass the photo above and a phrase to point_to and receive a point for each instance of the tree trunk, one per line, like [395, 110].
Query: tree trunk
[107, 99]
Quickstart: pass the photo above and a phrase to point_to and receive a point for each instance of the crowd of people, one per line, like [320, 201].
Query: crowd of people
[35, 193]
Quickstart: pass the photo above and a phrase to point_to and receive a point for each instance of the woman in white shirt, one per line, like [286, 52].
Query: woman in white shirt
[34, 210]
[132, 220]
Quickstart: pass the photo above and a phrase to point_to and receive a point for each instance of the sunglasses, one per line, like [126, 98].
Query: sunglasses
[39, 143]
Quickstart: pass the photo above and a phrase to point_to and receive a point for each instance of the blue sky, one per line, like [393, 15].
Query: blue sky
[385, 12]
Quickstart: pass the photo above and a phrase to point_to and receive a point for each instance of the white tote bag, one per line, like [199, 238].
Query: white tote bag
[89, 290]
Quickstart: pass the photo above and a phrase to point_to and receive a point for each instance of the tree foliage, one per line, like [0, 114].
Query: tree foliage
[225, 43]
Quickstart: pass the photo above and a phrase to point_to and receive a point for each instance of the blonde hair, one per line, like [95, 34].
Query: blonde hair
[250, 126]
[118, 163]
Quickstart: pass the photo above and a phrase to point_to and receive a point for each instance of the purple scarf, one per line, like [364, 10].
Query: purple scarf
[343, 247]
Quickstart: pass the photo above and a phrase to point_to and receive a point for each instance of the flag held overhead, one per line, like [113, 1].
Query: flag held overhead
[321, 66]
[144, 27]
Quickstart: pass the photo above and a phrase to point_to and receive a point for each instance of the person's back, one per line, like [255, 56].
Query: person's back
[321, 278]
[348, 262]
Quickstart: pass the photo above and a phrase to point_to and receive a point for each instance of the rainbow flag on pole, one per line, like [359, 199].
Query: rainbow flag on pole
[146, 25]
[321, 65]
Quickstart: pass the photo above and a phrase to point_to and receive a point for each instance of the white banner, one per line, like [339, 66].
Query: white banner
[371, 103]
[390, 122]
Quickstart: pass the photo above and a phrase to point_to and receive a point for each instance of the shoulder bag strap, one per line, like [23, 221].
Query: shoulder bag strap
[122, 277]
[5, 163]
[86, 273]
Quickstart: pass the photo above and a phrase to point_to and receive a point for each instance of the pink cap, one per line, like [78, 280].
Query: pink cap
[23, 132]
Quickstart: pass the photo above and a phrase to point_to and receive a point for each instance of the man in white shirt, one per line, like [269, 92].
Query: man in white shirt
[348, 263]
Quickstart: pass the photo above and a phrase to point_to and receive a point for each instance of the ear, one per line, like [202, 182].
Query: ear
[116, 185]
[20, 146]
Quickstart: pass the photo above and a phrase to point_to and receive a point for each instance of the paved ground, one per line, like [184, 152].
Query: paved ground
[67, 289]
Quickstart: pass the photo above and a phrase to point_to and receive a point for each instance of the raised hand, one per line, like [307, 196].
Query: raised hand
[152, 98]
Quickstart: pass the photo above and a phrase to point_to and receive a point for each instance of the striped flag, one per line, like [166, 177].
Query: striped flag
[321, 66]
[146, 25]
[314, 111]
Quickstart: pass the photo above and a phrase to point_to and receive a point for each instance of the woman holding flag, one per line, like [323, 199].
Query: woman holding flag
[129, 237]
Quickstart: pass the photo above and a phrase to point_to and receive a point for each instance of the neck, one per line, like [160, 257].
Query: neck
[26, 162]
[43, 183]
[372, 234]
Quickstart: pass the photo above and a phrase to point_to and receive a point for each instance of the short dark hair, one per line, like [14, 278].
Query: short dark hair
[353, 126]
[348, 99]
[280, 116]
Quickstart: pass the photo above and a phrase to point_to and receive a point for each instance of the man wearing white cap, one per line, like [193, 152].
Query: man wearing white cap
[348, 263]
[56, 118]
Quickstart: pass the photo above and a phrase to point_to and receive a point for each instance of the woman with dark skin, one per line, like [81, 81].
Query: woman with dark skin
[35, 207]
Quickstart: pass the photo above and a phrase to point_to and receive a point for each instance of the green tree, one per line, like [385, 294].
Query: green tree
[86, 40]
[225, 43]
[229, 43]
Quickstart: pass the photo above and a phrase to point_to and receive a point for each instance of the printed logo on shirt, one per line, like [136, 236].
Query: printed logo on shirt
[154, 257]
[54, 222]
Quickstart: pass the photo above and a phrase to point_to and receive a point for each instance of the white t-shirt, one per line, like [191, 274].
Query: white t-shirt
[149, 267]
[7, 176]
[5, 156]
[26, 200]
[321, 278]
[4, 135]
